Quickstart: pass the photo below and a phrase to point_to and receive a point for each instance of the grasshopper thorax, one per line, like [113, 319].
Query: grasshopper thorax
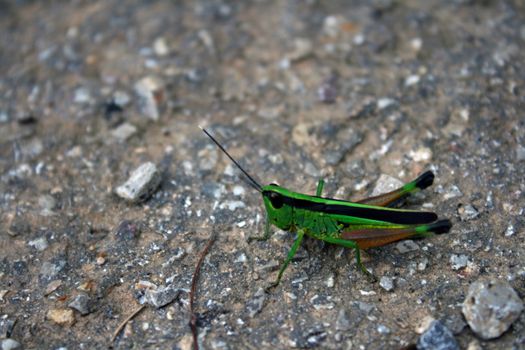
[280, 212]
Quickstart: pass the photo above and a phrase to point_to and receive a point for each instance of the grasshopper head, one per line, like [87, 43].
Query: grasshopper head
[279, 212]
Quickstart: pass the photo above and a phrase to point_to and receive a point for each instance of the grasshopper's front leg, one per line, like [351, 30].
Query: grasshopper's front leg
[266, 232]
[291, 254]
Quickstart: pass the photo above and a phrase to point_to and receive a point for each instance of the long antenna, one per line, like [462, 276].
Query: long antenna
[254, 183]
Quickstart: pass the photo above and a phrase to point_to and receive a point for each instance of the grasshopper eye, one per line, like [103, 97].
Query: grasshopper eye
[276, 199]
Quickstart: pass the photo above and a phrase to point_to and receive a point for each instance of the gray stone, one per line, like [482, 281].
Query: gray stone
[320, 302]
[121, 98]
[452, 192]
[437, 337]
[406, 246]
[142, 182]
[82, 96]
[342, 323]
[50, 270]
[467, 212]
[256, 303]
[81, 303]
[6, 327]
[520, 153]
[385, 184]
[458, 262]
[160, 296]
[382, 329]
[490, 307]
[387, 283]
[10, 344]
[39, 244]
[149, 89]
[124, 131]
[47, 203]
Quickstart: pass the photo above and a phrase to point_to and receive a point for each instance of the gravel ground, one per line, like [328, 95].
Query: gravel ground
[109, 191]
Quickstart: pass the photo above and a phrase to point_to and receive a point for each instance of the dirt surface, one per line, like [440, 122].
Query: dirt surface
[296, 91]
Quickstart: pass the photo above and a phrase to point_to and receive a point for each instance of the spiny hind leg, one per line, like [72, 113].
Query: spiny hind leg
[353, 245]
[291, 254]
[266, 232]
[388, 199]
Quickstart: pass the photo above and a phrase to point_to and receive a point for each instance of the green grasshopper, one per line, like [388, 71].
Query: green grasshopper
[367, 223]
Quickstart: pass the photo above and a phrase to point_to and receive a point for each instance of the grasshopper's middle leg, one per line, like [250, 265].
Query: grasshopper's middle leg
[387, 199]
[320, 186]
[291, 254]
[352, 244]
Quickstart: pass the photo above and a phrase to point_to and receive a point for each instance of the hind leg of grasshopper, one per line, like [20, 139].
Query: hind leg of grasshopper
[266, 232]
[291, 253]
[387, 199]
[352, 244]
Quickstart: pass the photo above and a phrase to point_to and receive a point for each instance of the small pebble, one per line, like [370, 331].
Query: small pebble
[490, 307]
[320, 302]
[520, 153]
[52, 286]
[422, 154]
[124, 131]
[81, 303]
[149, 89]
[128, 230]
[329, 282]
[160, 47]
[100, 260]
[232, 205]
[343, 323]
[467, 212]
[327, 92]
[458, 262]
[256, 303]
[406, 246]
[49, 270]
[387, 283]
[39, 244]
[62, 317]
[160, 296]
[412, 80]
[331, 25]
[10, 344]
[382, 329]
[121, 98]
[385, 184]
[142, 182]
[509, 231]
[437, 337]
[422, 265]
[452, 192]
[416, 44]
[385, 102]
[82, 96]
[6, 326]
[47, 203]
